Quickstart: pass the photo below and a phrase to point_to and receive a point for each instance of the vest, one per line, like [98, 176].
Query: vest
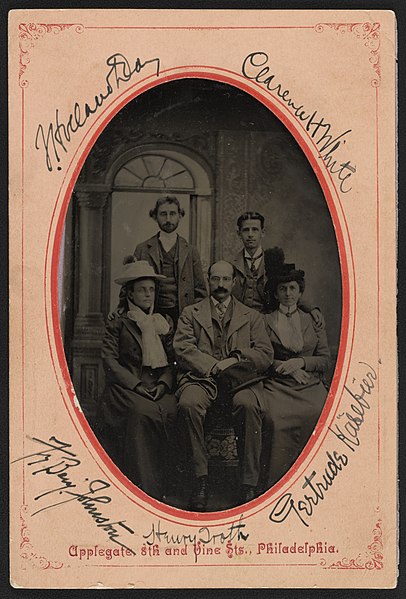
[168, 289]
[220, 331]
[253, 290]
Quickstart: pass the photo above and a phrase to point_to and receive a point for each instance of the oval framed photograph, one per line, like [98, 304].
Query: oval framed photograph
[195, 174]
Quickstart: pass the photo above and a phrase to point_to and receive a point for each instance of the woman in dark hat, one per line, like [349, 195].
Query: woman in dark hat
[138, 405]
[295, 391]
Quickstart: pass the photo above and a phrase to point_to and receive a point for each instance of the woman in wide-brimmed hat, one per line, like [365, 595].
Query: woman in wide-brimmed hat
[138, 405]
[295, 392]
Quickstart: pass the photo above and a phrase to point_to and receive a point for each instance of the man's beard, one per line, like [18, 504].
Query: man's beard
[168, 227]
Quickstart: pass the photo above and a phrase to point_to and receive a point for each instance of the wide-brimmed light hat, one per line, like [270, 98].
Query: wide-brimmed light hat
[139, 269]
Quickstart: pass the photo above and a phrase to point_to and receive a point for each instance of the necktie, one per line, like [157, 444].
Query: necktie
[221, 310]
[253, 260]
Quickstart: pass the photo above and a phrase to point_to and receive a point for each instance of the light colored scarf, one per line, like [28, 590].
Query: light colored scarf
[151, 326]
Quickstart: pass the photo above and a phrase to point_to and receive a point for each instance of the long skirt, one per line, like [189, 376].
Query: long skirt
[144, 430]
[293, 410]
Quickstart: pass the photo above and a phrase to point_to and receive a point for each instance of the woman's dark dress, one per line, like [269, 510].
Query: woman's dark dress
[144, 426]
[294, 407]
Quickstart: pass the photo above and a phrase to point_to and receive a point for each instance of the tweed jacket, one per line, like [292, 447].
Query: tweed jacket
[194, 338]
[190, 278]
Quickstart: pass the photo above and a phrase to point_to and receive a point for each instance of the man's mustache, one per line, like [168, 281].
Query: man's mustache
[221, 289]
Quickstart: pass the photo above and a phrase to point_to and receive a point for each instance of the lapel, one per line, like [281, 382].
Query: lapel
[272, 322]
[132, 327]
[153, 251]
[202, 314]
[304, 322]
[183, 251]
[239, 318]
[239, 262]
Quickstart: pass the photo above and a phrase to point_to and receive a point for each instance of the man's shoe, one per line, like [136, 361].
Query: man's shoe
[198, 501]
[248, 493]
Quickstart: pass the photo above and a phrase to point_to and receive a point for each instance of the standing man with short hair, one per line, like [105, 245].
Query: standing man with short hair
[249, 262]
[172, 256]
[250, 269]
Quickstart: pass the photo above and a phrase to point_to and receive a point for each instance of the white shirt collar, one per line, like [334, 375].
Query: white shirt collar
[286, 309]
[226, 302]
[256, 256]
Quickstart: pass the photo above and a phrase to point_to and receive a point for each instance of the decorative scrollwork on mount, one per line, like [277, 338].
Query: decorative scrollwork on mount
[373, 558]
[29, 33]
[26, 549]
[369, 33]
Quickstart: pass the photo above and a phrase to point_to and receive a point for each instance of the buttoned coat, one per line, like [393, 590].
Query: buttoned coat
[194, 340]
[189, 273]
[122, 355]
[135, 430]
[294, 407]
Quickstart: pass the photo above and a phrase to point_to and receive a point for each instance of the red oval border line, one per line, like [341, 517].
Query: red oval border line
[236, 80]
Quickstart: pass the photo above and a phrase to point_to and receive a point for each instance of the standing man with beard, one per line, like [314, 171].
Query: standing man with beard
[172, 256]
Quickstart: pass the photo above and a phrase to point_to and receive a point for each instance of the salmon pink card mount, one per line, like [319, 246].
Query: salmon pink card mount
[157, 159]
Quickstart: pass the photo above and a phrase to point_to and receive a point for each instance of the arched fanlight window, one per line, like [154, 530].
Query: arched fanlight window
[153, 171]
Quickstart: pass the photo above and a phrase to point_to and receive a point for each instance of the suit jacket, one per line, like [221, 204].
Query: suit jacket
[194, 338]
[191, 282]
[239, 289]
[241, 278]
[122, 356]
[315, 352]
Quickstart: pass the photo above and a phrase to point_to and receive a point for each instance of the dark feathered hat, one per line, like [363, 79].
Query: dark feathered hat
[274, 258]
[278, 271]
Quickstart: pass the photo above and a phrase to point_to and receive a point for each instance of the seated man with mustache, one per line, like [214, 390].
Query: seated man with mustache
[212, 337]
